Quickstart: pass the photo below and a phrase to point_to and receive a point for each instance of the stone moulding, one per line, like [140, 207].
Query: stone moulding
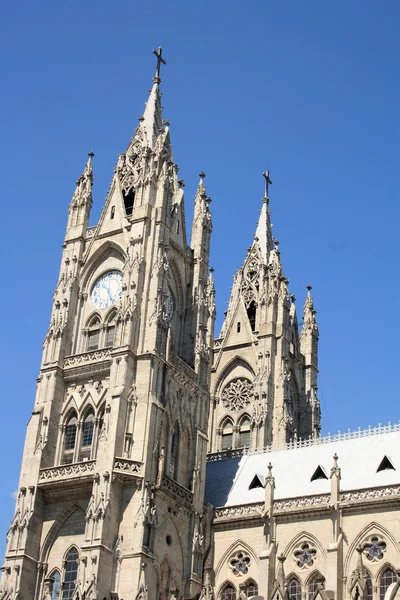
[303, 502]
[127, 466]
[253, 510]
[368, 494]
[177, 491]
[87, 358]
[65, 472]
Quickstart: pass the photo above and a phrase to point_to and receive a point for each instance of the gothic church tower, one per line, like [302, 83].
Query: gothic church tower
[264, 375]
[110, 501]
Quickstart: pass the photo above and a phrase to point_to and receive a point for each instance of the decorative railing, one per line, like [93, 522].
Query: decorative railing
[178, 491]
[87, 357]
[302, 502]
[239, 511]
[225, 454]
[374, 494]
[312, 441]
[90, 231]
[67, 471]
[127, 466]
[182, 367]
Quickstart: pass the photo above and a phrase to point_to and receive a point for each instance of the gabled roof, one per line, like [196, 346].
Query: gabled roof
[228, 480]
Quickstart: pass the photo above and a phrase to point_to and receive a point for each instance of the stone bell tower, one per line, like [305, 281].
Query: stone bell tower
[264, 375]
[110, 501]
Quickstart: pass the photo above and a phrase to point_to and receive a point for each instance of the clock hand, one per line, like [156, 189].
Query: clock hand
[108, 290]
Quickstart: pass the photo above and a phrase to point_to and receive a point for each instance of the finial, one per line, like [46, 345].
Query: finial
[293, 298]
[91, 154]
[309, 287]
[282, 558]
[335, 459]
[212, 269]
[160, 60]
[267, 182]
[202, 175]
[269, 469]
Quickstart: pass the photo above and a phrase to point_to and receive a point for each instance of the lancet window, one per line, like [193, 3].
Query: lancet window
[87, 436]
[56, 577]
[228, 593]
[244, 432]
[294, 589]
[387, 578]
[251, 589]
[227, 434]
[94, 334]
[313, 585]
[174, 456]
[71, 574]
[69, 440]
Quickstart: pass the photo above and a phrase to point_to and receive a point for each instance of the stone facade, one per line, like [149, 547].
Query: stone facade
[132, 391]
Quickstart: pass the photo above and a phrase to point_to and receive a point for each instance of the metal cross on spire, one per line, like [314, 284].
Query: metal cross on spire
[159, 61]
[267, 182]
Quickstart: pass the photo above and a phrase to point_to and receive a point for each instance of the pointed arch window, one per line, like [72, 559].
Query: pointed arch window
[173, 461]
[387, 578]
[56, 577]
[313, 585]
[94, 334]
[251, 313]
[87, 436]
[244, 432]
[110, 332]
[294, 589]
[228, 593]
[69, 440]
[368, 583]
[251, 589]
[227, 435]
[71, 574]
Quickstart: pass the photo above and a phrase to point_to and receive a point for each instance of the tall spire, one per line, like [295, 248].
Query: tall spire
[152, 116]
[264, 227]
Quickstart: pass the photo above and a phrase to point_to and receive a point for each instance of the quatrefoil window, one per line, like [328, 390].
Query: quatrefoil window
[237, 394]
[305, 555]
[239, 563]
[374, 548]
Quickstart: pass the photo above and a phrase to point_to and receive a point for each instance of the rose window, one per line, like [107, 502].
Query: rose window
[374, 548]
[237, 394]
[239, 563]
[305, 555]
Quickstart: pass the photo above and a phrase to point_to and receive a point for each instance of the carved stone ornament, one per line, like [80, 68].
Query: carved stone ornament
[239, 563]
[374, 548]
[237, 394]
[304, 556]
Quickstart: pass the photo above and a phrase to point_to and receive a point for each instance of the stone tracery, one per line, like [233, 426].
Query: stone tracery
[237, 394]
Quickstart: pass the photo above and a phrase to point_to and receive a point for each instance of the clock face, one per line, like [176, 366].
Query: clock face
[170, 307]
[107, 289]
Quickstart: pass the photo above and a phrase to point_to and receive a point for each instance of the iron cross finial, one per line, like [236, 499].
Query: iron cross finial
[267, 182]
[159, 61]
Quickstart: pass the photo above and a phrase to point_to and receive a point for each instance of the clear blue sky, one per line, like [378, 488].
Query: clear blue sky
[308, 89]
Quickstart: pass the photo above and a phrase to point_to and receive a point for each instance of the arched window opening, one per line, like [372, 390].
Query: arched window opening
[244, 432]
[56, 577]
[368, 583]
[71, 574]
[129, 201]
[313, 586]
[69, 440]
[173, 461]
[87, 436]
[228, 593]
[387, 578]
[227, 435]
[94, 334]
[110, 332]
[251, 589]
[165, 581]
[294, 590]
[251, 313]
